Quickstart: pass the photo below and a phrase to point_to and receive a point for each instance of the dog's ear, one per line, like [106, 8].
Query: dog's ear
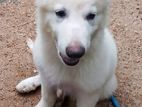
[38, 3]
[42, 5]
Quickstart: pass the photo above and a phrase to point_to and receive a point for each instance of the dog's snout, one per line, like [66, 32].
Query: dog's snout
[75, 51]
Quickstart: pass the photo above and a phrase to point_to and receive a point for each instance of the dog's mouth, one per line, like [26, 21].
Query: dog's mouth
[69, 61]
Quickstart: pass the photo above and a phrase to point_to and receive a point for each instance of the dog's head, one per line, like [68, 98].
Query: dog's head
[73, 23]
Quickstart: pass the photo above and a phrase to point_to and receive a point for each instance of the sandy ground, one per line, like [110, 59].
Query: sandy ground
[17, 23]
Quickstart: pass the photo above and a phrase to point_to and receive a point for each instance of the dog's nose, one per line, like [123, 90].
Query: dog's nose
[75, 51]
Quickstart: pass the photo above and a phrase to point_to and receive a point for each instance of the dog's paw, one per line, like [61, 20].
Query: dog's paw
[29, 84]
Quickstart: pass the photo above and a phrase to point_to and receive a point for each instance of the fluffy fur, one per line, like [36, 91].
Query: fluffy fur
[93, 77]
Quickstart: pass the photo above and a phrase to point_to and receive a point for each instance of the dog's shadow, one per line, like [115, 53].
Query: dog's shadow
[70, 102]
[67, 101]
[60, 102]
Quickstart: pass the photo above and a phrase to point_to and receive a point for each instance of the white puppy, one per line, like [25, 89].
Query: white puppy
[74, 51]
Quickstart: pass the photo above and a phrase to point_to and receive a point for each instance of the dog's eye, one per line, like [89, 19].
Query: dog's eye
[61, 13]
[90, 16]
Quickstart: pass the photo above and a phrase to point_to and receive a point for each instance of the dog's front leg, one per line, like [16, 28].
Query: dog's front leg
[48, 97]
[87, 100]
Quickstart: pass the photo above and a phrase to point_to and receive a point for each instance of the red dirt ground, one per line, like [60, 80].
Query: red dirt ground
[17, 24]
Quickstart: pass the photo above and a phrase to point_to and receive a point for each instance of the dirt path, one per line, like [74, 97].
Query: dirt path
[17, 23]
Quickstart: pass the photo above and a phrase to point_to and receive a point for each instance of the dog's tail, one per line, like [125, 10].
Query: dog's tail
[30, 44]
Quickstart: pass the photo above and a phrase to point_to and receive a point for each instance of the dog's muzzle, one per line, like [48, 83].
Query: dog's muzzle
[73, 55]
[69, 61]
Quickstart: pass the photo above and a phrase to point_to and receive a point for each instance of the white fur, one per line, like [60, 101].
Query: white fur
[28, 84]
[93, 77]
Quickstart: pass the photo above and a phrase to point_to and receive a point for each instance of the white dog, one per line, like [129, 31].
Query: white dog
[73, 51]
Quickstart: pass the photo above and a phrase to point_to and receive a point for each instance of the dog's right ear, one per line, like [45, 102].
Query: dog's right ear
[42, 5]
[39, 3]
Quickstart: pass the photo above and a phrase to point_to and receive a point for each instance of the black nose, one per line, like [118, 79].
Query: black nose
[75, 51]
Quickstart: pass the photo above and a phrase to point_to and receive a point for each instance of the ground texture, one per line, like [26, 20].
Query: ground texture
[17, 24]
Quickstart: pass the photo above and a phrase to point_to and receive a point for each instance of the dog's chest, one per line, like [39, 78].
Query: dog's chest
[67, 81]
[67, 85]
[70, 88]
